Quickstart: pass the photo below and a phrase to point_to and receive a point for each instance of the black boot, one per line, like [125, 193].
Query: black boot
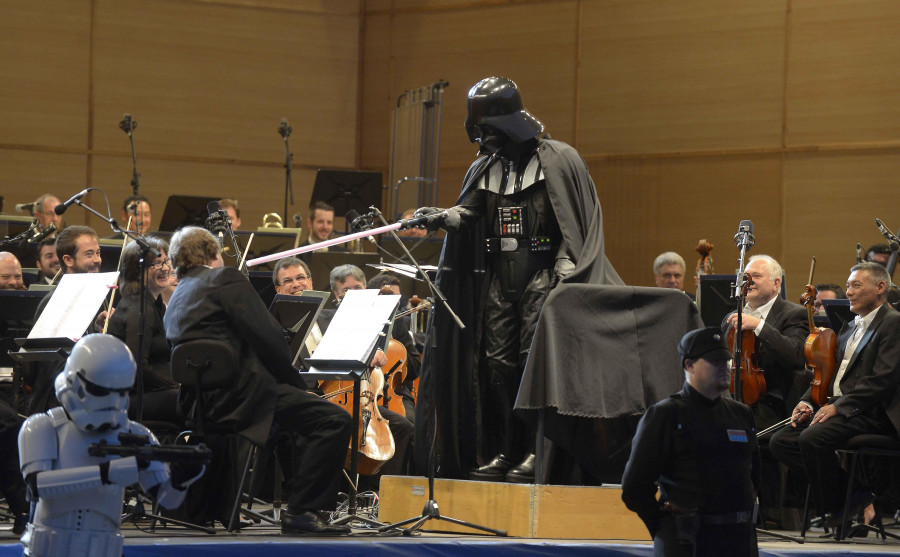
[523, 473]
[493, 471]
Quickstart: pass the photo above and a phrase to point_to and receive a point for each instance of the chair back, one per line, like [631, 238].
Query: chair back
[206, 364]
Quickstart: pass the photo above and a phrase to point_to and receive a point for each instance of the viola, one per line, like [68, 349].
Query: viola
[752, 384]
[821, 348]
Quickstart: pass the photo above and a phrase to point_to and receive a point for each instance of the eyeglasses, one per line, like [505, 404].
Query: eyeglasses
[160, 264]
[297, 279]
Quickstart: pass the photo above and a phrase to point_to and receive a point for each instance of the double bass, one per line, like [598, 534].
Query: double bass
[751, 385]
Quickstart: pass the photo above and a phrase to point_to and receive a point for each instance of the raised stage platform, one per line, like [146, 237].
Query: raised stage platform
[541, 520]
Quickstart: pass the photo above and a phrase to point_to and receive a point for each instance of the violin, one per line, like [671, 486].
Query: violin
[376, 443]
[396, 355]
[752, 383]
[705, 263]
[820, 349]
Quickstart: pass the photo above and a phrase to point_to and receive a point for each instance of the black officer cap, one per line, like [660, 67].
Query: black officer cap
[708, 343]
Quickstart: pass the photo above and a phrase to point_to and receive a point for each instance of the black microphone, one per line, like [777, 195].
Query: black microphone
[419, 221]
[358, 223]
[25, 207]
[61, 208]
[284, 130]
[744, 236]
[888, 235]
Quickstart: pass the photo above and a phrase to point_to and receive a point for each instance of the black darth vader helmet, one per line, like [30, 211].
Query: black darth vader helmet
[496, 102]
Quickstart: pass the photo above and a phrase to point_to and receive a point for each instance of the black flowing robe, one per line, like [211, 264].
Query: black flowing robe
[450, 381]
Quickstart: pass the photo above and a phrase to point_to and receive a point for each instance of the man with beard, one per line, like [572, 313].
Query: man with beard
[527, 219]
[78, 250]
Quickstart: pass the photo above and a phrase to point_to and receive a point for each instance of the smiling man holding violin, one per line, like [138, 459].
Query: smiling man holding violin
[780, 328]
[863, 394]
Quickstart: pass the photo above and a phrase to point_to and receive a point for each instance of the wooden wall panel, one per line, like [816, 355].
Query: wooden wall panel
[313, 6]
[44, 73]
[259, 189]
[681, 76]
[379, 98]
[843, 85]
[533, 44]
[26, 174]
[652, 206]
[831, 202]
[208, 80]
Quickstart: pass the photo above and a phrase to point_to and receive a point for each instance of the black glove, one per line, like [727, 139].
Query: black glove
[433, 223]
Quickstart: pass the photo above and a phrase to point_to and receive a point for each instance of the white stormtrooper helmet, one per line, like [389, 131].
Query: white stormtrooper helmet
[93, 387]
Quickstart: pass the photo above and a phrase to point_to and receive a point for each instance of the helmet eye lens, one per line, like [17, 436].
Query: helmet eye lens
[96, 390]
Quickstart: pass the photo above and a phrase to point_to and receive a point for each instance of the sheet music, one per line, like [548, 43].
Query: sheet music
[74, 305]
[356, 326]
[403, 269]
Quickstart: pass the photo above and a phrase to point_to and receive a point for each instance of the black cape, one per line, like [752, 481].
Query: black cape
[450, 381]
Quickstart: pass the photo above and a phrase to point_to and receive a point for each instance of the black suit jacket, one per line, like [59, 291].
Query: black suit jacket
[125, 325]
[221, 304]
[781, 342]
[873, 374]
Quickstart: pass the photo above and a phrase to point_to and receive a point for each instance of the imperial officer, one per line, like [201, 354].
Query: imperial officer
[528, 218]
[698, 448]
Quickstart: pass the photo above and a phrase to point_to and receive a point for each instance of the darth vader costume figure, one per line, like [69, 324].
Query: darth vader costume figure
[527, 219]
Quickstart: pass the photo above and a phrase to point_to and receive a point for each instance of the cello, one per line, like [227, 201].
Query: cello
[376, 443]
[751, 385]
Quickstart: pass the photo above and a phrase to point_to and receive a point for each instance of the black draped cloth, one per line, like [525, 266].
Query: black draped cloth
[451, 380]
[602, 355]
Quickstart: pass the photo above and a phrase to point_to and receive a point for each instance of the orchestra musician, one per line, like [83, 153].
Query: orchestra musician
[668, 272]
[781, 329]
[10, 272]
[44, 211]
[78, 251]
[217, 302]
[863, 395]
[46, 261]
[160, 392]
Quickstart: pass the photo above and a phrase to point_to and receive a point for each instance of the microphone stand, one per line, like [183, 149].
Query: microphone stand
[430, 511]
[284, 130]
[146, 250]
[127, 125]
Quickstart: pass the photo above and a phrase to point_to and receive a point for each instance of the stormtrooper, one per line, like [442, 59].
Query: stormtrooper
[527, 219]
[76, 498]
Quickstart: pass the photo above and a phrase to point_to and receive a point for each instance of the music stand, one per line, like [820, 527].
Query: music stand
[184, 210]
[838, 312]
[348, 189]
[344, 355]
[266, 242]
[297, 314]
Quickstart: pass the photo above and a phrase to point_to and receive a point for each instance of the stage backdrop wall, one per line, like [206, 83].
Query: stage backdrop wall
[691, 115]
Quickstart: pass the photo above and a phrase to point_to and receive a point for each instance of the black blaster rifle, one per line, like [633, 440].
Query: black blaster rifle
[139, 447]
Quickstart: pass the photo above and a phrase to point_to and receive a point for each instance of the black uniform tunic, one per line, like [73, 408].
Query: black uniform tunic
[704, 457]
